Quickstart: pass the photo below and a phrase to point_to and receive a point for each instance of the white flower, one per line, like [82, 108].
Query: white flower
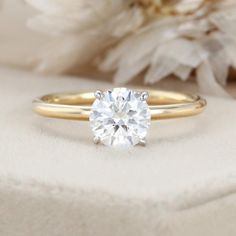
[161, 37]
[82, 30]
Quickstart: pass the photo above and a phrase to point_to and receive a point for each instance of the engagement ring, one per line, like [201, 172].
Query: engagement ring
[121, 116]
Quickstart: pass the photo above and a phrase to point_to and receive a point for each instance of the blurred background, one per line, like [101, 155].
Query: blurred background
[144, 42]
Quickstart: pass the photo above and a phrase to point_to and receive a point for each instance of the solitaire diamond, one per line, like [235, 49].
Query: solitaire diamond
[120, 117]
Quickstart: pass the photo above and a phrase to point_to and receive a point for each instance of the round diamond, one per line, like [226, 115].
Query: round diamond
[120, 117]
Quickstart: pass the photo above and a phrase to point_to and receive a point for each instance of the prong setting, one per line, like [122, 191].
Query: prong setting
[144, 96]
[98, 94]
[96, 140]
[120, 118]
[143, 142]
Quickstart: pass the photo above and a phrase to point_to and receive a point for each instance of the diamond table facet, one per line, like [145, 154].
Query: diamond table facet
[120, 117]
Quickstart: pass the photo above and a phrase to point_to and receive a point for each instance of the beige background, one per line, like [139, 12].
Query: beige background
[54, 181]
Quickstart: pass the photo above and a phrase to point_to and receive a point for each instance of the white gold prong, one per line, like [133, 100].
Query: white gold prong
[144, 96]
[98, 94]
[143, 142]
[96, 140]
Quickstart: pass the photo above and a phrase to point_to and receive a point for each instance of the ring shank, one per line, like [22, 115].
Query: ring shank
[77, 106]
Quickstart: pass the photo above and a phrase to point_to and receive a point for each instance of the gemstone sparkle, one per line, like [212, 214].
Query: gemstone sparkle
[120, 117]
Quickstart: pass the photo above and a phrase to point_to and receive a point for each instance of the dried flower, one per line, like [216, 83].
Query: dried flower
[162, 37]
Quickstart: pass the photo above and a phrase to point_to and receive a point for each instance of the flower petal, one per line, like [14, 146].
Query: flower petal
[225, 21]
[135, 47]
[183, 72]
[207, 82]
[185, 6]
[162, 68]
[186, 52]
[126, 72]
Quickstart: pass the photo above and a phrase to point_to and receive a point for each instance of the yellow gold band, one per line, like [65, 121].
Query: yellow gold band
[77, 106]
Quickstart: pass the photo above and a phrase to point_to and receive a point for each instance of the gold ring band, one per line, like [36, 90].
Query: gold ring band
[120, 116]
[77, 106]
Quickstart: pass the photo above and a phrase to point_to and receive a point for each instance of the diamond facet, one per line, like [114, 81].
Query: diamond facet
[120, 117]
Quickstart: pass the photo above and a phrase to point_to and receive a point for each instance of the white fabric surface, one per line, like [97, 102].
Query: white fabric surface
[55, 182]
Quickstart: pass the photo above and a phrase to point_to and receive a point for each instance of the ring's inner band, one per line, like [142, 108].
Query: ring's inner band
[77, 106]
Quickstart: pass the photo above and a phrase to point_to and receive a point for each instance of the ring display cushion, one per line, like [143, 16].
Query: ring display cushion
[54, 182]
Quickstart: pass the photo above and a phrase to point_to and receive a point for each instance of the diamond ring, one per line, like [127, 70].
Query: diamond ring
[121, 116]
